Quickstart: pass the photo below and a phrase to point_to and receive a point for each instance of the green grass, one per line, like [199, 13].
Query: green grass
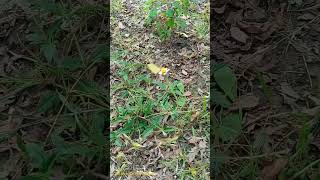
[72, 105]
[144, 107]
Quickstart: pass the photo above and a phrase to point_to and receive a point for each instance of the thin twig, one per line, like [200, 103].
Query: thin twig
[253, 157]
[305, 169]
[307, 69]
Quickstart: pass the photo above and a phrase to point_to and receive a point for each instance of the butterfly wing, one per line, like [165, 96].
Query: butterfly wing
[154, 68]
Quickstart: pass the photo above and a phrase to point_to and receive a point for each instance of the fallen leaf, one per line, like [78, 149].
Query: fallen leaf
[234, 17]
[271, 172]
[245, 102]
[184, 72]
[220, 10]
[191, 156]
[121, 26]
[188, 93]
[194, 140]
[238, 35]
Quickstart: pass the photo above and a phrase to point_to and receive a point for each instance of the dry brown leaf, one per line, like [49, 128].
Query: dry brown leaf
[238, 35]
[188, 93]
[184, 72]
[271, 172]
[245, 102]
[234, 17]
[191, 156]
[194, 140]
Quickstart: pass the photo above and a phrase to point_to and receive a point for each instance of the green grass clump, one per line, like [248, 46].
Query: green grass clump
[147, 102]
[167, 16]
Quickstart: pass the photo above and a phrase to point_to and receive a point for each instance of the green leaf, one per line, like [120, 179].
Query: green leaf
[176, 5]
[147, 133]
[180, 86]
[48, 102]
[153, 13]
[185, 3]
[49, 50]
[181, 23]
[230, 127]
[71, 63]
[59, 144]
[220, 99]
[36, 154]
[181, 101]
[97, 128]
[89, 87]
[170, 13]
[227, 81]
[162, 85]
[101, 53]
[170, 23]
[20, 144]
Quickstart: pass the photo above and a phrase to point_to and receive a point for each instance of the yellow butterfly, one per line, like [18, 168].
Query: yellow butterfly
[157, 70]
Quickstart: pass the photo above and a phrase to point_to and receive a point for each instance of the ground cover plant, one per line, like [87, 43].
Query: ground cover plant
[159, 123]
[54, 95]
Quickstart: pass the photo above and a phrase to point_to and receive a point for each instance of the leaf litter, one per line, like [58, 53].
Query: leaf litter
[270, 47]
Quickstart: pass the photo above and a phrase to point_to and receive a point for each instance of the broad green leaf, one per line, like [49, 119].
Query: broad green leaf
[227, 81]
[36, 154]
[230, 127]
[97, 128]
[220, 99]
[49, 50]
[48, 102]
[59, 144]
[180, 86]
[64, 148]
